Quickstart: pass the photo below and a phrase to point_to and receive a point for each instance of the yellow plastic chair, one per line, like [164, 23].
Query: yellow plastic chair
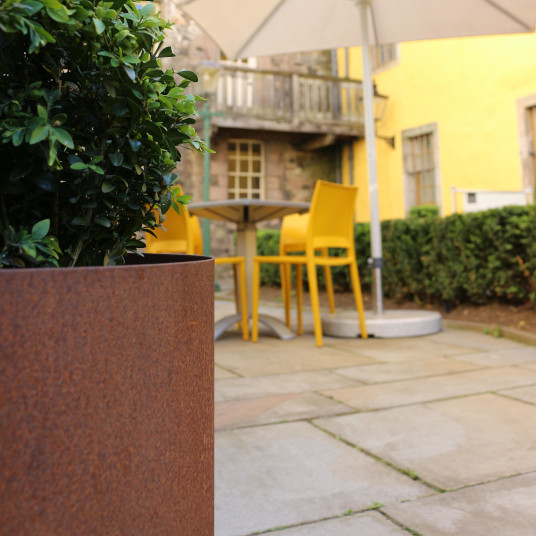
[292, 240]
[330, 225]
[183, 235]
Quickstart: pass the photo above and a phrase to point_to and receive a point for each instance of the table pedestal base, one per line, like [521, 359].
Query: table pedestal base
[274, 324]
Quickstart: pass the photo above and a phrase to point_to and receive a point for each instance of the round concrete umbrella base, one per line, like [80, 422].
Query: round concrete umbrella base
[391, 324]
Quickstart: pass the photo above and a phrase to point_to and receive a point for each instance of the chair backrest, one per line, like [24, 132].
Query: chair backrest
[331, 220]
[293, 233]
[196, 235]
[182, 234]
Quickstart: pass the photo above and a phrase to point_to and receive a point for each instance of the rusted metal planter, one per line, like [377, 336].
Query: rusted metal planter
[106, 399]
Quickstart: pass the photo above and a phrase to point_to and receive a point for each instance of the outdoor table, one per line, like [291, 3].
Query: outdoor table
[246, 213]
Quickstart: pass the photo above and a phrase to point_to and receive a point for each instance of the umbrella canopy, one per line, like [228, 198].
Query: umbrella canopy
[263, 27]
[244, 28]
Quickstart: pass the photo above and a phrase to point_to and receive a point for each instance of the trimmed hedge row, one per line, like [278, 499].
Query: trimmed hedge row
[480, 257]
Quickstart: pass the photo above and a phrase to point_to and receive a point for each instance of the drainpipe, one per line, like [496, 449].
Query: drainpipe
[350, 144]
[336, 105]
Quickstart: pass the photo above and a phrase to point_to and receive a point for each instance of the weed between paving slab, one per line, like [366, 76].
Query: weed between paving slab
[374, 507]
[406, 472]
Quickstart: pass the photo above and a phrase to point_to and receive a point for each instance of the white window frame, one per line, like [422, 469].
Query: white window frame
[235, 190]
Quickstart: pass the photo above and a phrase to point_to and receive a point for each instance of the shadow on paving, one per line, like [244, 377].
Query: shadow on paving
[381, 437]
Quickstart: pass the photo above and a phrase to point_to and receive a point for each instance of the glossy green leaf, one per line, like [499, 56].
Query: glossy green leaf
[40, 229]
[166, 53]
[63, 137]
[53, 4]
[18, 137]
[107, 187]
[96, 169]
[79, 165]
[59, 15]
[130, 72]
[131, 59]
[79, 220]
[147, 9]
[115, 158]
[99, 26]
[39, 134]
[189, 75]
[135, 145]
[35, 122]
[29, 249]
[135, 244]
[102, 220]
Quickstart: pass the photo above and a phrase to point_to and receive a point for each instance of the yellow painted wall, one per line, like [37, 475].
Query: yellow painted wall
[469, 88]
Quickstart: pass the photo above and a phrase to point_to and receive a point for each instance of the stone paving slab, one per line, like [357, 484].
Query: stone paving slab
[499, 358]
[367, 524]
[273, 409]
[451, 443]
[287, 474]
[474, 339]
[220, 374]
[395, 350]
[279, 384]
[527, 394]
[387, 372]
[272, 356]
[502, 508]
[385, 395]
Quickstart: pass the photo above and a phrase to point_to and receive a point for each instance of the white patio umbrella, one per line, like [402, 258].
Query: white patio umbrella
[244, 28]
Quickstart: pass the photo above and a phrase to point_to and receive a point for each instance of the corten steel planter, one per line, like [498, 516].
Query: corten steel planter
[106, 399]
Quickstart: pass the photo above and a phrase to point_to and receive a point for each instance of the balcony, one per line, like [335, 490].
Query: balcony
[289, 102]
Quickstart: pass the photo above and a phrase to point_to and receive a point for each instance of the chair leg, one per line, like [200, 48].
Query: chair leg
[299, 297]
[255, 301]
[329, 283]
[315, 302]
[243, 300]
[236, 292]
[286, 287]
[358, 296]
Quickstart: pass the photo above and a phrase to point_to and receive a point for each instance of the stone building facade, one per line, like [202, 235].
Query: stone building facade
[284, 159]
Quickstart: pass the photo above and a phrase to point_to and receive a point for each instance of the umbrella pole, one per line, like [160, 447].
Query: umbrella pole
[376, 260]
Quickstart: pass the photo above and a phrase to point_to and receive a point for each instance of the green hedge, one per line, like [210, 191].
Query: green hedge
[482, 257]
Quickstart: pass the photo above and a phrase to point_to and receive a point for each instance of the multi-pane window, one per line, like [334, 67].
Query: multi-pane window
[245, 168]
[526, 116]
[420, 168]
[382, 55]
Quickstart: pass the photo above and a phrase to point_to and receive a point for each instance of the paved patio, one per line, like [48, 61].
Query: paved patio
[428, 436]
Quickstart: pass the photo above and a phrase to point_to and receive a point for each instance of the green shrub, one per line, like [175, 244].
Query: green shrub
[90, 124]
[479, 257]
[424, 211]
[268, 244]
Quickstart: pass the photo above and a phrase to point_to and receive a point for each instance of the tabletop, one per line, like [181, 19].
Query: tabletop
[246, 210]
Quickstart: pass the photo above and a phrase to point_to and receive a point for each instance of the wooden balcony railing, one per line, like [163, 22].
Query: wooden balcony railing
[251, 98]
